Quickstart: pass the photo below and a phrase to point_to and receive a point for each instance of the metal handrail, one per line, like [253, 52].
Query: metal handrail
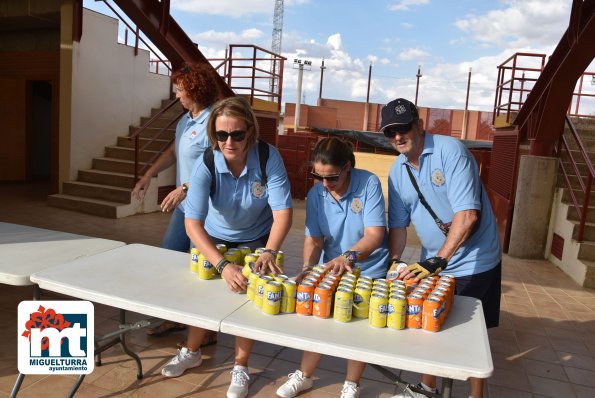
[585, 188]
[137, 133]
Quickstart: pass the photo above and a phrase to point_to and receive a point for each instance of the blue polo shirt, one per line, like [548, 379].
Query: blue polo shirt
[241, 208]
[448, 177]
[191, 142]
[342, 223]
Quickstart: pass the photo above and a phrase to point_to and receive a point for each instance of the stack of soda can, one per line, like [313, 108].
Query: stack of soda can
[429, 302]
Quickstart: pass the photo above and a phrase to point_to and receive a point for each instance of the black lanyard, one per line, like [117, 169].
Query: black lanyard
[443, 227]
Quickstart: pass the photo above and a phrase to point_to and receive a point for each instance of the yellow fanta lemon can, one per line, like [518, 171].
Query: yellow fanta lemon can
[194, 259]
[247, 270]
[289, 292]
[222, 247]
[252, 285]
[271, 298]
[259, 291]
[206, 270]
[343, 305]
[280, 260]
[250, 258]
[378, 310]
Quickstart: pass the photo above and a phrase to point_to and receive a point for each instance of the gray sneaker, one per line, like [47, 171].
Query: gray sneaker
[297, 383]
[184, 359]
[350, 390]
[408, 393]
[239, 382]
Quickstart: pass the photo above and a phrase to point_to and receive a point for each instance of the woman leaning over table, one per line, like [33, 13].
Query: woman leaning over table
[346, 223]
[240, 212]
[197, 91]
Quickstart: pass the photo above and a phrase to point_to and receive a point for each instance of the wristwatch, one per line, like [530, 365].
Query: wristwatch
[351, 255]
[185, 188]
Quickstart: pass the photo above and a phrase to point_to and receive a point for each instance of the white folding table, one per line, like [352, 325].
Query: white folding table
[459, 351]
[25, 250]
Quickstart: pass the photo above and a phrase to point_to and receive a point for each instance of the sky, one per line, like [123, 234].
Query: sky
[444, 38]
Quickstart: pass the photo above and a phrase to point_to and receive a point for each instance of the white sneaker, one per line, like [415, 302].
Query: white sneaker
[297, 383]
[350, 390]
[239, 382]
[184, 359]
[408, 393]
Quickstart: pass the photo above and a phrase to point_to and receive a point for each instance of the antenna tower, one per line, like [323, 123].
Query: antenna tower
[276, 43]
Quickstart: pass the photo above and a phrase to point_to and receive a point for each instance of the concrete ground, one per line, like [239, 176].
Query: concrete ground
[544, 346]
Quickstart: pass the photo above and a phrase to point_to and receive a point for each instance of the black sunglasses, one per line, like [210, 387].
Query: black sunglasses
[331, 178]
[238, 135]
[392, 131]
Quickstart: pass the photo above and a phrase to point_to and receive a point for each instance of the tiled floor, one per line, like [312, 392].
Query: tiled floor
[544, 347]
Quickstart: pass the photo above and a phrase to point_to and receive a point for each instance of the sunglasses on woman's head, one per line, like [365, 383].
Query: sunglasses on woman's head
[330, 178]
[392, 131]
[238, 135]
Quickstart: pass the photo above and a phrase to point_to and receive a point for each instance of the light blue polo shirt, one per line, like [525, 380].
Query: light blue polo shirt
[448, 178]
[342, 223]
[191, 142]
[241, 208]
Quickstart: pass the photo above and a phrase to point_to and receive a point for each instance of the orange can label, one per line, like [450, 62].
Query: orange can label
[430, 319]
[304, 298]
[322, 301]
[415, 304]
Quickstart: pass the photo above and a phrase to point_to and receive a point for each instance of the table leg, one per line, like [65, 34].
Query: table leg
[17, 385]
[446, 387]
[76, 386]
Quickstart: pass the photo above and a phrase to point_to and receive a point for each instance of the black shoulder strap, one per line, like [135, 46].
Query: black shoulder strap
[443, 227]
[263, 156]
[209, 159]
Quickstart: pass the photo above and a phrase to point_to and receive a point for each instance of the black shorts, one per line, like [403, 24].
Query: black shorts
[486, 287]
[253, 244]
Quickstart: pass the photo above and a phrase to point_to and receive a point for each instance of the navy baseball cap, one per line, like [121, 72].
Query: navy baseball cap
[399, 111]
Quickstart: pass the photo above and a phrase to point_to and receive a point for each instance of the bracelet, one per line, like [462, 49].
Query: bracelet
[307, 268]
[270, 251]
[221, 264]
[394, 261]
[351, 256]
[185, 188]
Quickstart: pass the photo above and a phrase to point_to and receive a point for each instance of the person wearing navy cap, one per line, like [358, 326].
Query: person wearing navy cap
[453, 218]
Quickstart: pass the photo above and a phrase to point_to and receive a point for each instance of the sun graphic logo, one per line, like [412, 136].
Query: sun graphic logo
[55, 337]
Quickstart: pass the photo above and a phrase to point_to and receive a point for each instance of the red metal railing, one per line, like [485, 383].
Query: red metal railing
[515, 81]
[248, 70]
[136, 136]
[585, 182]
[581, 92]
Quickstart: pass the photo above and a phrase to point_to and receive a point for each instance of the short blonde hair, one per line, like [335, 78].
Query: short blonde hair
[237, 107]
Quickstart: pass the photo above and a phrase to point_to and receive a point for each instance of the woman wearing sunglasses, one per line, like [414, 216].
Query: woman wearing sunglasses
[241, 211]
[345, 225]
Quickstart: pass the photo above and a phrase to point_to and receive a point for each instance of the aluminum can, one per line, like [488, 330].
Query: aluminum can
[345, 285]
[349, 275]
[194, 259]
[422, 291]
[260, 250]
[222, 247]
[323, 296]
[381, 289]
[231, 256]
[319, 268]
[415, 304]
[364, 284]
[411, 284]
[430, 319]
[304, 298]
[289, 292]
[252, 285]
[357, 270]
[311, 280]
[378, 310]
[316, 275]
[343, 305]
[380, 281]
[250, 258]
[206, 270]
[245, 250]
[259, 291]
[247, 269]
[280, 278]
[398, 285]
[365, 278]
[444, 302]
[397, 312]
[361, 302]
[271, 299]
[280, 260]
[331, 278]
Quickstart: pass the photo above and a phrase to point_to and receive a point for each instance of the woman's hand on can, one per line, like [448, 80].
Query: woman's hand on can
[338, 265]
[232, 273]
[266, 263]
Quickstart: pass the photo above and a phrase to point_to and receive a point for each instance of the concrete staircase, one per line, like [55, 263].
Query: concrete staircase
[578, 258]
[105, 189]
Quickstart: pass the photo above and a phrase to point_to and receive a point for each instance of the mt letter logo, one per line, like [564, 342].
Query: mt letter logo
[56, 337]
